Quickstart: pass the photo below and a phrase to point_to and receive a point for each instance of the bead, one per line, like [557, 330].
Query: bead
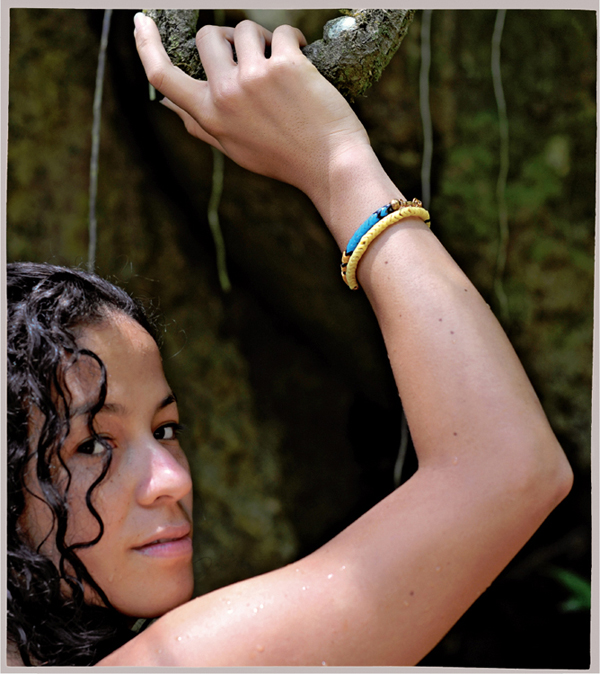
[371, 228]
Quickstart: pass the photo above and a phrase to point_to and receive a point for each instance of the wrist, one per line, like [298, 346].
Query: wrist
[355, 186]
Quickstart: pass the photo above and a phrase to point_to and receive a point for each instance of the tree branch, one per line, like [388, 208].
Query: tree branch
[357, 47]
[353, 53]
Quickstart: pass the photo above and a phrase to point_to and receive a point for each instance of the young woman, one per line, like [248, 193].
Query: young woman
[99, 488]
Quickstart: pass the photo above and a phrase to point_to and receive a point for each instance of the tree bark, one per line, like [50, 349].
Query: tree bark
[353, 53]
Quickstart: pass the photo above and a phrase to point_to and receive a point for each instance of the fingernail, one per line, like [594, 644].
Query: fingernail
[139, 19]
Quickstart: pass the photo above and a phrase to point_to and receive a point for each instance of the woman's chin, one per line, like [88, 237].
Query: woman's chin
[154, 599]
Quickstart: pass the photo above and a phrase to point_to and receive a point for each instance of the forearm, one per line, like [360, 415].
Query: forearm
[464, 391]
[490, 467]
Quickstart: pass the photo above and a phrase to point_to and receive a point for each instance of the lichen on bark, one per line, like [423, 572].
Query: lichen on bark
[177, 29]
[353, 53]
[356, 48]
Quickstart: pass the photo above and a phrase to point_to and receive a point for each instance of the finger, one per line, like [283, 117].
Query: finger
[286, 40]
[192, 125]
[162, 74]
[214, 47]
[250, 40]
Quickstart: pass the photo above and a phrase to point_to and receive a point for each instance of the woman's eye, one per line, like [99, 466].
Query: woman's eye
[93, 446]
[168, 432]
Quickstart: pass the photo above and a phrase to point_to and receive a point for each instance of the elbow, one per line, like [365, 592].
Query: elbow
[547, 476]
[563, 479]
[528, 470]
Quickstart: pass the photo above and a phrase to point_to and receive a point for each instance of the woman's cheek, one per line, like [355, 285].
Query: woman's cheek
[83, 526]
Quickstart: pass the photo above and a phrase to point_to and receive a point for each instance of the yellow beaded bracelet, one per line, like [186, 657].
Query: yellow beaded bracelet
[350, 260]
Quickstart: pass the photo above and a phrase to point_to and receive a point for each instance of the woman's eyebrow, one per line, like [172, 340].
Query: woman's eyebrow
[168, 400]
[115, 408]
[118, 408]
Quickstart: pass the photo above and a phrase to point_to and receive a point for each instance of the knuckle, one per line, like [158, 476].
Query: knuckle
[252, 75]
[286, 28]
[225, 94]
[205, 31]
[142, 40]
[281, 65]
[156, 75]
[190, 126]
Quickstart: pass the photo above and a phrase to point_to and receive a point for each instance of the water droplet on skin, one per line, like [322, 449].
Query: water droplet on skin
[438, 568]
[324, 663]
[343, 567]
[330, 575]
[228, 602]
[229, 610]
[261, 606]
[406, 603]
[255, 610]
[304, 587]
[178, 638]
[455, 460]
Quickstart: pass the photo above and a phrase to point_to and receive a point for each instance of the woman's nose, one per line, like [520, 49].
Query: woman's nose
[164, 476]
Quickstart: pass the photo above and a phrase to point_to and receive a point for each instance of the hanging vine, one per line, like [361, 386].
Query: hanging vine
[504, 161]
[425, 108]
[97, 115]
[215, 199]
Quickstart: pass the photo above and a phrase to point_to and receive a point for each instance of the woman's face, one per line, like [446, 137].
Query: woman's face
[143, 561]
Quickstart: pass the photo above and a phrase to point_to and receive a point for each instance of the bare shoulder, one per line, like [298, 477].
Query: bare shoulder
[382, 593]
[267, 620]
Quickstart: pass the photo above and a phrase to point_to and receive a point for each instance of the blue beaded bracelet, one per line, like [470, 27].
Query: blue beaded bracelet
[371, 228]
[373, 219]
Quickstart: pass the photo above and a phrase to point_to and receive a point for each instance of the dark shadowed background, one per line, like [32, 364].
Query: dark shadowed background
[291, 412]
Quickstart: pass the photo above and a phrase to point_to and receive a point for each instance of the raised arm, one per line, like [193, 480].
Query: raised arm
[387, 589]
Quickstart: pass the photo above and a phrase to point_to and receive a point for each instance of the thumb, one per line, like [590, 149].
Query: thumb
[166, 78]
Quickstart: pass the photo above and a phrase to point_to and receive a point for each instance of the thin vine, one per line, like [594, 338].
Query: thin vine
[97, 114]
[215, 199]
[504, 163]
[213, 218]
[425, 109]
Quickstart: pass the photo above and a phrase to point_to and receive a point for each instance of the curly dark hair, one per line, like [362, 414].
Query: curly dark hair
[46, 306]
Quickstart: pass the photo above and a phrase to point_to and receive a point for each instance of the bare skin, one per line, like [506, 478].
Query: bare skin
[146, 497]
[388, 588]
[147, 493]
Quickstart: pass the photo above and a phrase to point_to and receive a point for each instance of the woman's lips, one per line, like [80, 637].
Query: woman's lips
[168, 547]
[170, 541]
